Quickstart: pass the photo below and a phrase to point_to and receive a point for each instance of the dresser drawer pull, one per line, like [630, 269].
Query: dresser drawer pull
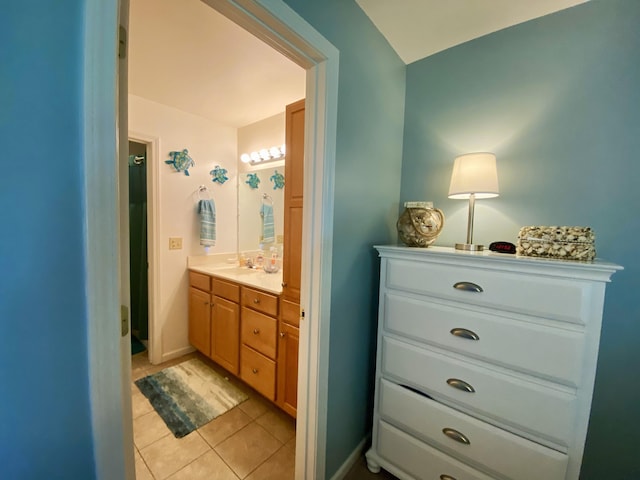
[447, 477]
[460, 385]
[464, 333]
[468, 287]
[256, 331]
[256, 300]
[456, 435]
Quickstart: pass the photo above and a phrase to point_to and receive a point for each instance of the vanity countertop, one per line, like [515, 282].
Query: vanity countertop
[256, 278]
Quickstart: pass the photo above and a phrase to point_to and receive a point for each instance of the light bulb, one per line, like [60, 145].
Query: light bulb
[255, 156]
[245, 158]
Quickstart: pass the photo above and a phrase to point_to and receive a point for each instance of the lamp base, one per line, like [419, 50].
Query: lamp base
[469, 247]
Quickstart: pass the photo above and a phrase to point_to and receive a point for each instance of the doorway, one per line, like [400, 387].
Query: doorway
[279, 26]
[138, 252]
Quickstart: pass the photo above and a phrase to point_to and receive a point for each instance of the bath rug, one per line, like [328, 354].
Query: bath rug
[189, 395]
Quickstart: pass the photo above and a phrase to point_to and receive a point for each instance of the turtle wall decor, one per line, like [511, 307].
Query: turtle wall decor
[181, 161]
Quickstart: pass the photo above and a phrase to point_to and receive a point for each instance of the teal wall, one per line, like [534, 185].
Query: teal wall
[558, 100]
[45, 424]
[367, 188]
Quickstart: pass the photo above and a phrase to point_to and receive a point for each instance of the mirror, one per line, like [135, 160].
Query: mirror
[263, 134]
[250, 206]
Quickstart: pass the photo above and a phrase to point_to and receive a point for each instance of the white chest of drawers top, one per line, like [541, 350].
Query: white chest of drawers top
[485, 365]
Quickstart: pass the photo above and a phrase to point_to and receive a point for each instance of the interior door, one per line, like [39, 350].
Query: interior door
[123, 201]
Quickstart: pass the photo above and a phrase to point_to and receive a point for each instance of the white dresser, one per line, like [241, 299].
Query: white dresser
[485, 364]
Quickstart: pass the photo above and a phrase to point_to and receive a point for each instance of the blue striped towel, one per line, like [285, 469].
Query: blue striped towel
[207, 212]
[268, 227]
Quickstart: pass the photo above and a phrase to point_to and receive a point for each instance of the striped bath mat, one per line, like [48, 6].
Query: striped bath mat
[189, 395]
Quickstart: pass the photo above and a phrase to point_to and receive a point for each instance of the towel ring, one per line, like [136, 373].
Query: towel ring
[202, 189]
[267, 197]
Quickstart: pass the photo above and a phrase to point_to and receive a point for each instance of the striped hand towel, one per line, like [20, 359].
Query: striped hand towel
[268, 227]
[207, 212]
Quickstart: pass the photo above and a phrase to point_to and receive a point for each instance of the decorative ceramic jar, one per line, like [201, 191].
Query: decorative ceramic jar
[420, 224]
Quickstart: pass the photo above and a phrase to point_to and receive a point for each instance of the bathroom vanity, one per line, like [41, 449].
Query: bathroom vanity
[237, 320]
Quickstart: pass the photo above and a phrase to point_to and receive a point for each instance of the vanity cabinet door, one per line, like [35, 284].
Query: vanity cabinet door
[225, 334]
[200, 320]
[288, 343]
[293, 200]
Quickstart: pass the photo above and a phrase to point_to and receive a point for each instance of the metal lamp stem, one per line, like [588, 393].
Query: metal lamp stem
[469, 245]
[472, 206]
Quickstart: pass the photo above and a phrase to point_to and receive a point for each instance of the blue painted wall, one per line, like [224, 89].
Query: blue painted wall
[558, 100]
[367, 189]
[45, 425]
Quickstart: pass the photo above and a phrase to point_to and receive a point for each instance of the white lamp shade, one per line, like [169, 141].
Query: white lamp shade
[474, 173]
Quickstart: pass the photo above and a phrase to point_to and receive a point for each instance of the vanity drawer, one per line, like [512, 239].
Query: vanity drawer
[510, 399]
[258, 371]
[556, 298]
[420, 460]
[259, 332]
[221, 288]
[551, 352]
[467, 438]
[258, 300]
[200, 281]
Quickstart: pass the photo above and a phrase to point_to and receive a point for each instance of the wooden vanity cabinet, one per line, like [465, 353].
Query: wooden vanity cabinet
[214, 319]
[258, 341]
[200, 312]
[288, 344]
[225, 324]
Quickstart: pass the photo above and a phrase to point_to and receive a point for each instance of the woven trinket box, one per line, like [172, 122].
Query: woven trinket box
[566, 243]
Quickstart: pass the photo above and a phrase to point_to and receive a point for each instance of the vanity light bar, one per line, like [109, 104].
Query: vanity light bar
[264, 155]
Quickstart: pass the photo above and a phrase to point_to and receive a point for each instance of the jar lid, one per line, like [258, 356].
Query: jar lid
[418, 204]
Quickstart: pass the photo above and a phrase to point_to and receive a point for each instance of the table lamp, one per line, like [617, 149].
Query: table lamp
[474, 176]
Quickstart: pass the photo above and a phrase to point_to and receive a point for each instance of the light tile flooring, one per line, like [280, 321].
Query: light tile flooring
[253, 441]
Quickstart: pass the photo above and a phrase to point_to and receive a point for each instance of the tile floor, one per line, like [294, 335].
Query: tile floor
[253, 441]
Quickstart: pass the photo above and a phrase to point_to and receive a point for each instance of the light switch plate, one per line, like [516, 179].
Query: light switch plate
[175, 243]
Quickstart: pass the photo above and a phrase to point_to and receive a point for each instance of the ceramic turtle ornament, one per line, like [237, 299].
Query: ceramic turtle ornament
[181, 161]
[219, 174]
[278, 180]
[252, 180]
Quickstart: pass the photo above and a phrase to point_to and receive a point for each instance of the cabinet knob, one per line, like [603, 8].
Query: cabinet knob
[460, 385]
[256, 331]
[284, 284]
[456, 435]
[464, 333]
[282, 334]
[254, 370]
[447, 477]
[256, 300]
[206, 303]
[468, 287]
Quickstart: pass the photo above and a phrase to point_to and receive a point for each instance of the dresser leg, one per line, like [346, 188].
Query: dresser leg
[372, 465]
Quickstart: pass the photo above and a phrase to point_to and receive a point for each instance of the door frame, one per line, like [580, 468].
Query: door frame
[275, 23]
[154, 272]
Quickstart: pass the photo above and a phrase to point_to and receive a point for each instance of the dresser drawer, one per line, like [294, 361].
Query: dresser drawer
[510, 399]
[551, 352]
[228, 290]
[418, 459]
[259, 332]
[469, 439]
[258, 371]
[200, 281]
[557, 298]
[261, 301]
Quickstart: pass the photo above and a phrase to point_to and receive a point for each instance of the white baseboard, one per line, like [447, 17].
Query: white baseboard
[177, 353]
[351, 460]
